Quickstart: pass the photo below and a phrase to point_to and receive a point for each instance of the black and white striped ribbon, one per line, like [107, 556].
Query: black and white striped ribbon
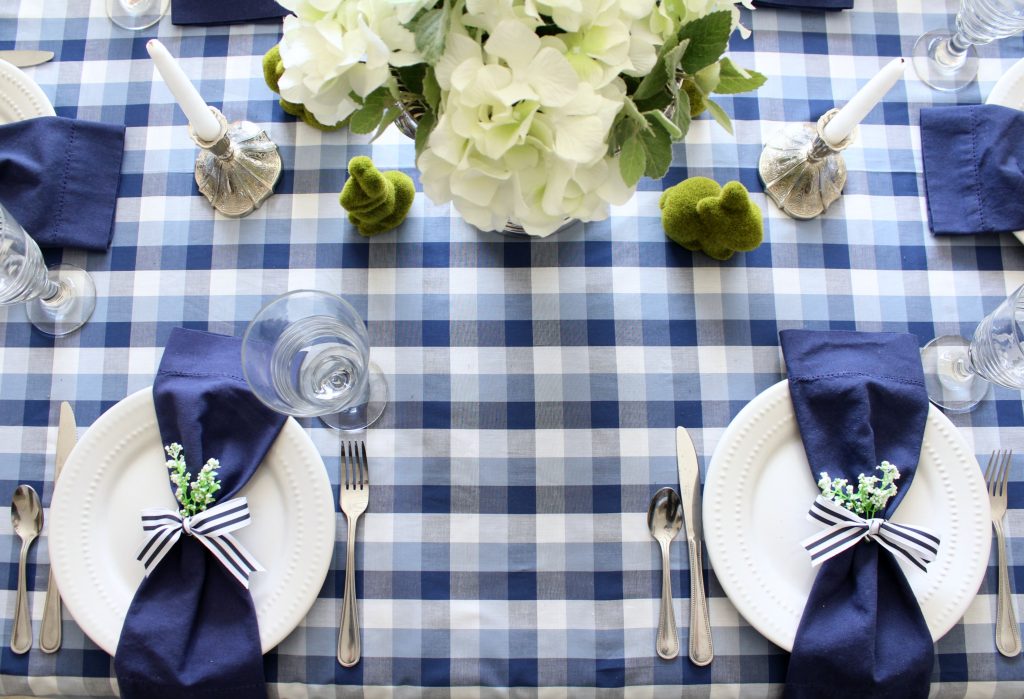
[212, 528]
[844, 529]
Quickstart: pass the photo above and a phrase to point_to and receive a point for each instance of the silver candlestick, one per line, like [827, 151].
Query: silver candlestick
[237, 170]
[801, 171]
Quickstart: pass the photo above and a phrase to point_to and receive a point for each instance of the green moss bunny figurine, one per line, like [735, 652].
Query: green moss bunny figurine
[273, 69]
[718, 221]
[376, 201]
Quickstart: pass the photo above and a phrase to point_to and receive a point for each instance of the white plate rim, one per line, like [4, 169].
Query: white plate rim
[21, 93]
[722, 540]
[286, 605]
[1009, 92]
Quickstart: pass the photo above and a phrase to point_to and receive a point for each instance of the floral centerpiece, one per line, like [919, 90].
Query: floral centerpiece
[532, 111]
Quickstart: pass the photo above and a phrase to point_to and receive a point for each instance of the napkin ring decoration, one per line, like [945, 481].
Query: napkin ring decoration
[210, 526]
[838, 511]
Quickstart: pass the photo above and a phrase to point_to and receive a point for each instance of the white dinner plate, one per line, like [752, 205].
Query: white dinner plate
[117, 469]
[20, 97]
[759, 488]
[1009, 92]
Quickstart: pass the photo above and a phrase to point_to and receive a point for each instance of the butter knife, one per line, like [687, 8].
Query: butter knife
[25, 58]
[50, 632]
[701, 650]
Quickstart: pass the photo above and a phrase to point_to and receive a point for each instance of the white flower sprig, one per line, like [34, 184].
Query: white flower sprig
[197, 495]
[868, 497]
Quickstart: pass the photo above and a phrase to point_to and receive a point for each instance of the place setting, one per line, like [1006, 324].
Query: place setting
[518, 348]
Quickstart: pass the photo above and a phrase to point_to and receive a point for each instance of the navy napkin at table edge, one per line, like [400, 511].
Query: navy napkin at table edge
[191, 629]
[859, 399]
[972, 158]
[59, 178]
[205, 12]
[826, 5]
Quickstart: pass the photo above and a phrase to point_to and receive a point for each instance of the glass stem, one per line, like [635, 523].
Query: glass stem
[54, 293]
[952, 53]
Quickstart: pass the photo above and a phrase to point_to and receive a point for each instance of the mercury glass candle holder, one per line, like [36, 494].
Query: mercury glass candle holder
[237, 170]
[801, 171]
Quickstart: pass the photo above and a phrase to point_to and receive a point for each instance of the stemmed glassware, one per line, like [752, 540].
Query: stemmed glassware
[136, 14]
[307, 354]
[958, 372]
[949, 62]
[58, 300]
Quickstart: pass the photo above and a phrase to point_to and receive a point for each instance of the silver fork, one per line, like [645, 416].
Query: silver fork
[997, 474]
[355, 494]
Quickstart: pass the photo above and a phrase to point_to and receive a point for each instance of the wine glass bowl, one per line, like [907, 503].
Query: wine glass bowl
[958, 372]
[58, 300]
[307, 354]
[948, 61]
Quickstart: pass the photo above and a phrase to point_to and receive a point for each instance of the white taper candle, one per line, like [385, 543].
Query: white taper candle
[854, 111]
[203, 122]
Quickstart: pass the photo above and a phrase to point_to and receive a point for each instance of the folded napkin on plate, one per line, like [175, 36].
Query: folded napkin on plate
[859, 399]
[224, 11]
[59, 178]
[806, 4]
[973, 158]
[191, 630]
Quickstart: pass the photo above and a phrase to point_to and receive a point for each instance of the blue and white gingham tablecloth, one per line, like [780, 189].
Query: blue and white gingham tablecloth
[535, 385]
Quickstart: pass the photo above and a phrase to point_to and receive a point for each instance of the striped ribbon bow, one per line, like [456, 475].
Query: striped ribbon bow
[844, 529]
[212, 528]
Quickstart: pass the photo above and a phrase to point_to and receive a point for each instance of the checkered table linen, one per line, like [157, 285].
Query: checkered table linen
[535, 385]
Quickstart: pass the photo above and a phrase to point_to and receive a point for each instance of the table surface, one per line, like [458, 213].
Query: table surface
[535, 385]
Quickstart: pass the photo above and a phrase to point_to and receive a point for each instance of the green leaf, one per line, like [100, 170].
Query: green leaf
[660, 100]
[720, 116]
[431, 90]
[709, 36]
[673, 130]
[674, 55]
[708, 77]
[735, 79]
[392, 113]
[652, 82]
[423, 129]
[681, 117]
[630, 110]
[657, 146]
[431, 31]
[632, 160]
[623, 129]
[410, 78]
[369, 117]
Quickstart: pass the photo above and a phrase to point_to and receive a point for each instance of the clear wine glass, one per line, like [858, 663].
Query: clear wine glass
[136, 14]
[307, 354]
[949, 62]
[958, 372]
[58, 300]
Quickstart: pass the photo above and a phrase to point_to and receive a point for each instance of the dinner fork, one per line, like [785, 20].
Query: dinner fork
[997, 474]
[355, 495]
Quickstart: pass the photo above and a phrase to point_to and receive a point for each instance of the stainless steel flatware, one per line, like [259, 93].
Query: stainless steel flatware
[355, 495]
[27, 519]
[50, 631]
[702, 651]
[997, 474]
[23, 58]
[665, 519]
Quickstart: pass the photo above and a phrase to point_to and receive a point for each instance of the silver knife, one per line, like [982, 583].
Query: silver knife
[24, 58]
[701, 650]
[50, 632]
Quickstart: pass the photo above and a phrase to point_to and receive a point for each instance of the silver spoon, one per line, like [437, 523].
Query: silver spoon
[664, 519]
[27, 518]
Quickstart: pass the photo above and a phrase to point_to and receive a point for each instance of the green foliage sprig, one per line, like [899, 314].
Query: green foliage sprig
[193, 496]
[868, 497]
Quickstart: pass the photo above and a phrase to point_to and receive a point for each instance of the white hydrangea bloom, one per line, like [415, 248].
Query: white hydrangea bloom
[520, 136]
[333, 48]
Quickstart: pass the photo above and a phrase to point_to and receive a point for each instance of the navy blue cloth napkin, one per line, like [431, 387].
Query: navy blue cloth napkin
[806, 4]
[859, 400]
[59, 178]
[973, 157]
[211, 12]
[191, 630]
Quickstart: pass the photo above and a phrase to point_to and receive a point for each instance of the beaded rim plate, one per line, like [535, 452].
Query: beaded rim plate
[758, 490]
[20, 97]
[117, 469]
[1009, 92]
